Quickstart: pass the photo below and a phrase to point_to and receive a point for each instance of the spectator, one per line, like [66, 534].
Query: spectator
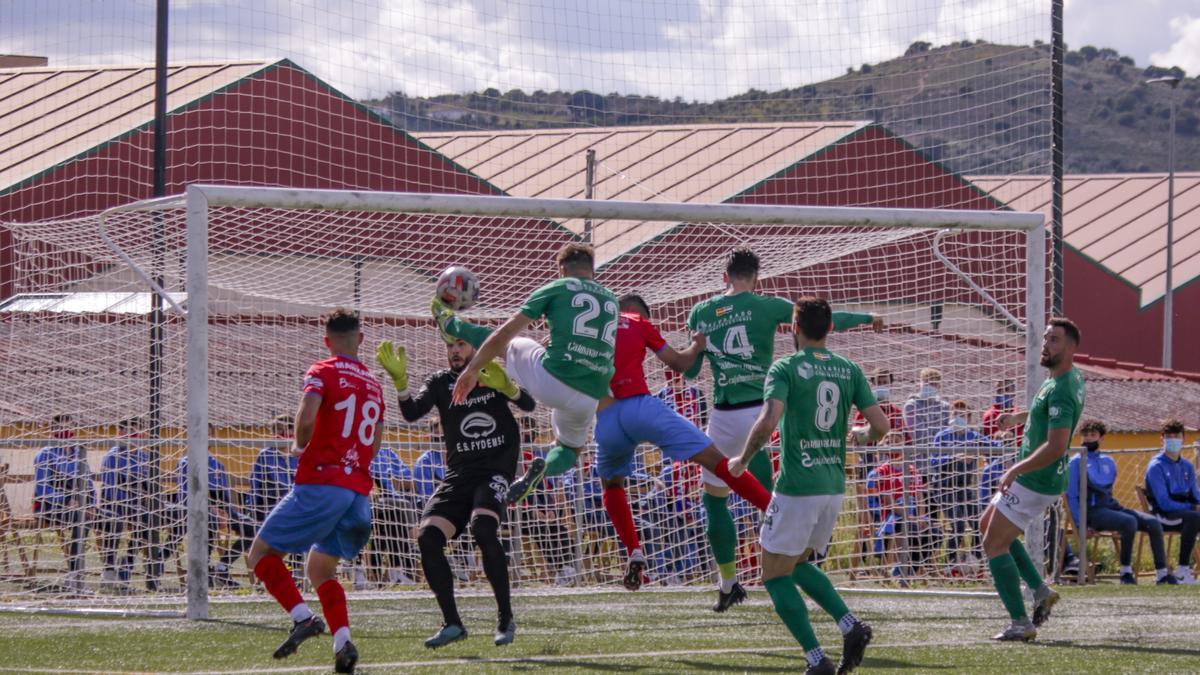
[1004, 402]
[223, 514]
[129, 483]
[882, 382]
[273, 471]
[63, 496]
[925, 412]
[429, 470]
[953, 476]
[685, 399]
[543, 522]
[904, 533]
[1105, 513]
[1174, 496]
[394, 509]
[681, 519]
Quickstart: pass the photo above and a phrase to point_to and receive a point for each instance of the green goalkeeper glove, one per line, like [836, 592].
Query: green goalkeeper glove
[493, 376]
[395, 362]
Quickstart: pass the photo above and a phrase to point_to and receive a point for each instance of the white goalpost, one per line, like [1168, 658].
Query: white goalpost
[245, 273]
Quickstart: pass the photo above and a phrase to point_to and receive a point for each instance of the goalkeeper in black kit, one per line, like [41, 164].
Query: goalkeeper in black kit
[483, 441]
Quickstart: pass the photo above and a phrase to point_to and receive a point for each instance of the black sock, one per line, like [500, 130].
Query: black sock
[437, 572]
[495, 563]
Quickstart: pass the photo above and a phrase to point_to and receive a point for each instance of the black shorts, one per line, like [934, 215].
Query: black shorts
[458, 496]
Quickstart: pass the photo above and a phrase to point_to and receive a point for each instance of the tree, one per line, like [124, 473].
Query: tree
[918, 47]
[586, 105]
[1088, 52]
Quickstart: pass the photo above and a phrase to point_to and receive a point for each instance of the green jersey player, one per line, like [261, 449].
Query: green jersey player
[1035, 482]
[740, 328]
[812, 392]
[570, 375]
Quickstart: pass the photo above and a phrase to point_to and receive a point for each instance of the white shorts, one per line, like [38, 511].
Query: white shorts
[1022, 506]
[729, 430]
[792, 525]
[571, 411]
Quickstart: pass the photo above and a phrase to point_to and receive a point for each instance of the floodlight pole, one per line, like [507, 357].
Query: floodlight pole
[1169, 296]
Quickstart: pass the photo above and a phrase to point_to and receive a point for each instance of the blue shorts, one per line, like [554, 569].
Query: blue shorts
[334, 520]
[629, 422]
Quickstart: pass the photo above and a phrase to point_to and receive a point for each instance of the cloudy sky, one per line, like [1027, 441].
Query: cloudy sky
[700, 49]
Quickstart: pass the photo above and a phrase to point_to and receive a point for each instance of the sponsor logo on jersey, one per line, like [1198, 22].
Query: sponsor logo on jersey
[804, 370]
[343, 383]
[722, 311]
[1054, 411]
[477, 424]
[821, 356]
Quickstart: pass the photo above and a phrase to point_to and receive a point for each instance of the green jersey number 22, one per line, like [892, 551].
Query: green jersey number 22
[581, 327]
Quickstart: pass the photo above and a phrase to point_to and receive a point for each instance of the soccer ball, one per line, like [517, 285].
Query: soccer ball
[458, 287]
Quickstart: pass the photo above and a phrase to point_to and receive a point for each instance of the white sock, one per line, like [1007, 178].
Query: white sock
[1182, 570]
[1162, 572]
[1126, 569]
[727, 584]
[340, 638]
[636, 554]
[814, 656]
[847, 622]
[301, 612]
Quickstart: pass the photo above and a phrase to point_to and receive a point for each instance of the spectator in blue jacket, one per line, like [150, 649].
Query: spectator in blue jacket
[224, 512]
[63, 495]
[1105, 513]
[1174, 496]
[273, 471]
[128, 490]
[395, 510]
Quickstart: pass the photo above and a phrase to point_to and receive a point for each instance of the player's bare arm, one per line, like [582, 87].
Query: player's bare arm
[1007, 421]
[306, 421]
[684, 359]
[877, 426]
[491, 348]
[760, 435]
[1057, 442]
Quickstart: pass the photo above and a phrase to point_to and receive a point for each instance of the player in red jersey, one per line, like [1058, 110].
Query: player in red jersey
[327, 513]
[631, 416]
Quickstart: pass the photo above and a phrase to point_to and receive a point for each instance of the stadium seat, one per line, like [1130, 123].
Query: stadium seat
[1170, 532]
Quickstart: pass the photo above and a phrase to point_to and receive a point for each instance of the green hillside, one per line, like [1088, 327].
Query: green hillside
[978, 107]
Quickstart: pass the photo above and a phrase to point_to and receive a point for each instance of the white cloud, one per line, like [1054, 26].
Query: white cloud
[1185, 50]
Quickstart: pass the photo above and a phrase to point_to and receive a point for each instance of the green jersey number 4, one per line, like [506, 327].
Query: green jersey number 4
[592, 311]
[737, 343]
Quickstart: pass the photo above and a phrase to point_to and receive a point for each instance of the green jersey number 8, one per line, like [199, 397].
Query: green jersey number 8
[592, 311]
[828, 395]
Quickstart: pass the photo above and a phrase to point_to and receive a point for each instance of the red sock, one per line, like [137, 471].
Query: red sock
[333, 605]
[279, 582]
[617, 505]
[745, 485]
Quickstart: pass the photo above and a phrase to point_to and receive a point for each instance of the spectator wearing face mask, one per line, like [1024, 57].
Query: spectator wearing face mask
[1174, 496]
[1005, 401]
[926, 412]
[1105, 513]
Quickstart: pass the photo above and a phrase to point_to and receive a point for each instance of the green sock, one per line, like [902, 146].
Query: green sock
[790, 607]
[760, 467]
[722, 534]
[559, 460]
[813, 581]
[1008, 584]
[1025, 565]
[465, 330]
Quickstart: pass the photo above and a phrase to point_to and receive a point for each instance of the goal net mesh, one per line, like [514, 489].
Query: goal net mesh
[95, 508]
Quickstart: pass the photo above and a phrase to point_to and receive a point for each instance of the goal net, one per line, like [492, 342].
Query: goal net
[98, 501]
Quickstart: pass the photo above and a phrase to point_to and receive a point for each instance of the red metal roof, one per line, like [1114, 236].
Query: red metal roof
[1119, 221]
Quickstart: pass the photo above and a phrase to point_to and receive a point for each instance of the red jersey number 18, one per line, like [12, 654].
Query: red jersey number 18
[369, 419]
